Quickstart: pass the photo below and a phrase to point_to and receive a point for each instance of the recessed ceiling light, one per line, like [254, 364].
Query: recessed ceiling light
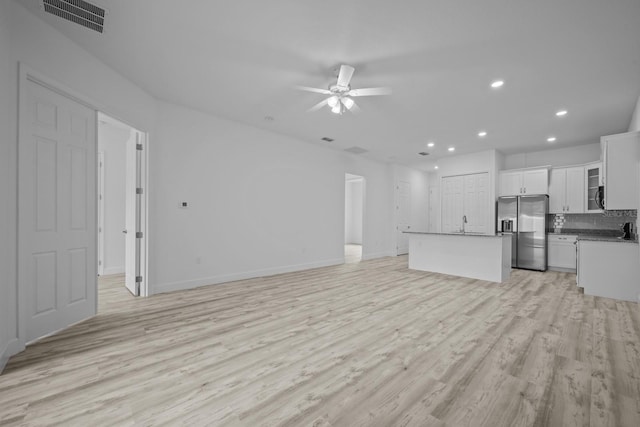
[496, 84]
[482, 134]
[435, 167]
[431, 144]
[551, 139]
[561, 113]
[451, 148]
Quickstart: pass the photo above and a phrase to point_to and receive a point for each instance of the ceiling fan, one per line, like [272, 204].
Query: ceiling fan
[341, 95]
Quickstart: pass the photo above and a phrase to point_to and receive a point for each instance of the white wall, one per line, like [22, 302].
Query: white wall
[634, 125]
[353, 199]
[45, 50]
[112, 142]
[259, 203]
[7, 191]
[555, 157]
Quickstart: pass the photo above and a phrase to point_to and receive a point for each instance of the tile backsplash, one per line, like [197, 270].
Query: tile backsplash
[609, 220]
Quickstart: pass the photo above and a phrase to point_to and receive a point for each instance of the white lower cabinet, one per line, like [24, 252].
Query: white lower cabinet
[562, 252]
[609, 269]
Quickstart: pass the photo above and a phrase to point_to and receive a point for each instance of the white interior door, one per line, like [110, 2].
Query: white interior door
[403, 212]
[476, 203]
[452, 199]
[57, 211]
[131, 226]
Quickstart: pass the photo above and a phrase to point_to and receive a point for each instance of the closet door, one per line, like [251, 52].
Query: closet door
[452, 200]
[476, 203]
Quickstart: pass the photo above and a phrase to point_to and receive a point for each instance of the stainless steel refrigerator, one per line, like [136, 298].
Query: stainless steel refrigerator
[525, 217]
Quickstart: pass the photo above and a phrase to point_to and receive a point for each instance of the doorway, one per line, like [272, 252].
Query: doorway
[353, 217]
[120, 204]
[403, 216]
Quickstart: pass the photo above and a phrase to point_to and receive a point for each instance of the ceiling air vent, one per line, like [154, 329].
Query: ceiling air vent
[78, 11]
[355, 150]
[327, 139]
[423, 153]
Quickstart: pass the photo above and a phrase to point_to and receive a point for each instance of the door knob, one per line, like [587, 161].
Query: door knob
[124, 231]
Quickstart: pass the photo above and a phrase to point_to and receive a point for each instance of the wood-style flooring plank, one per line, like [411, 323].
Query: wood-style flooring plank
[370, 343]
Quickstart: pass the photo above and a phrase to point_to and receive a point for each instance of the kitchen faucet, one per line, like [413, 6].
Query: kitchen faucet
[464, 221]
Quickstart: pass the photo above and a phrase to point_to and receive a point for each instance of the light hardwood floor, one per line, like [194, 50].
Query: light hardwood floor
[371, 343]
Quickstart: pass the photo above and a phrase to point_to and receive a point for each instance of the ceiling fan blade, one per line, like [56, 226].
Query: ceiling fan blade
[344, 78]
[318, 106]
[355, 109]
[314, 89]
[370, 91]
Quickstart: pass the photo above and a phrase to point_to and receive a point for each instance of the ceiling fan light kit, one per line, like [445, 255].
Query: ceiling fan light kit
[341, 94]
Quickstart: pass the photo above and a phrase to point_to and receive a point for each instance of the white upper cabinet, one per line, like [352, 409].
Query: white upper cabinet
[620, 163]
[535, 181]
[557, 190]
[524, 182]
[575, 190]
[566, 190]
[510, 183]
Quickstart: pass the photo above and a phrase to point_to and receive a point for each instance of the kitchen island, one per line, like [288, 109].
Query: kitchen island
[478, 256]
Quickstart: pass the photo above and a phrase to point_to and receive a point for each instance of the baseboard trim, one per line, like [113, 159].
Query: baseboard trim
[12, 347]
[562, 269]
[113, 270]
[375, 255]
[214, 280]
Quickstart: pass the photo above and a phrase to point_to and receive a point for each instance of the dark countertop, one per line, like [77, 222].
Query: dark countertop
[595, 235]
[607, 239]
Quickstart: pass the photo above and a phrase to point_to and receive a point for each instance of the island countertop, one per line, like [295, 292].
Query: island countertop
[457, 234]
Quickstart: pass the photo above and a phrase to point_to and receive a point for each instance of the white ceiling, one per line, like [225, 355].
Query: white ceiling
[241, 60]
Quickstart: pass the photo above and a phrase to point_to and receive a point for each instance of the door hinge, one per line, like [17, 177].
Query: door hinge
[139, 190]
[139, 147]
[99, 262]
[139, 234]
[138, 279]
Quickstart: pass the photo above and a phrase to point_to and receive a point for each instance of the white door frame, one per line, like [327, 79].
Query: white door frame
[27, 74]
[364, 207]
[100, 212]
